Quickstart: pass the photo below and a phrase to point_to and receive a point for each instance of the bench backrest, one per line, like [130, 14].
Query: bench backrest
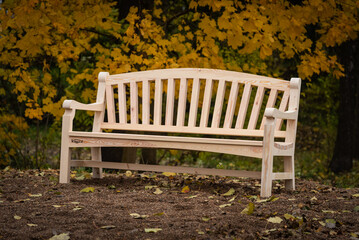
[194, 101]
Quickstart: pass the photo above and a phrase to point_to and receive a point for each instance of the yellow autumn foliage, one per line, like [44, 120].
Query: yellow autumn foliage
[52, 50]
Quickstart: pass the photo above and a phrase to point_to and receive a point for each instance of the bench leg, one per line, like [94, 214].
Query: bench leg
[65, 162]
[289, 167]
[96, 155]
[267, 176]
[267, 159]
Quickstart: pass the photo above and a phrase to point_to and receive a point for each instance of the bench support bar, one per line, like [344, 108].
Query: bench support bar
[160, 168]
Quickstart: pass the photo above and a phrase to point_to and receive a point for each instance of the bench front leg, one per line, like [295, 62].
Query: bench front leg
[65, 158]
[267, 159]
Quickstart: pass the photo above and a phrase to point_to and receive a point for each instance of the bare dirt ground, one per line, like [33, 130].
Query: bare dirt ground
[160, 206]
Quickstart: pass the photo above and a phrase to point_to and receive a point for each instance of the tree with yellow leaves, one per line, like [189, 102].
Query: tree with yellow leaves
[55, 49]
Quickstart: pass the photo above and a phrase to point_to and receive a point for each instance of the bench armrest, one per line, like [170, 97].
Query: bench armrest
[275, 113]
[72, 104]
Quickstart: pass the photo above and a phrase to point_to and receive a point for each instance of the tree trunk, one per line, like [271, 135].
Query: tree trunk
[347, 143]
[149, 156]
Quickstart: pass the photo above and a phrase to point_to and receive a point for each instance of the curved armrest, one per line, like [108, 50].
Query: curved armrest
[275, 113]
[72, 104]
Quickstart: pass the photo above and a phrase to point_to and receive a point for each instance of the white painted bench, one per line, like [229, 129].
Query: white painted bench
[241, 113]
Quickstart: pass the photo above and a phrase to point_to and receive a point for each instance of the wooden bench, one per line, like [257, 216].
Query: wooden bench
[193, 109]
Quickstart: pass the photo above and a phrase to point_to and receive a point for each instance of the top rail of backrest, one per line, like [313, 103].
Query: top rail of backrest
[201, 73]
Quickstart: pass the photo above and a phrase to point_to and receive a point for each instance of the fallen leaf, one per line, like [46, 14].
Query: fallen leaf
[288, 216]
[128, 173]
[193, 196]
[206, 219]
[158, 191]
[142, 175]
[8, 168]
[76, 209]
[249, 209]
[169, 174]
[274, 220]
[185, 189]
[356, 195]
[32, 225]
[62, 236]
[80, 178]
[150, 187]
[273, 199]
[225, 205]
[152, 230]
[313, 199]
[158, 214]
[229, 193]
[56, 206]
[330, 223]
[35, 195]
[232, 199]
[138, 216]
[322, 223]
[200, 232]
[108, 227]
[17, 217]
[88, 189]
[328, 211]
[76, 203]
[356, 209]
[111, 187]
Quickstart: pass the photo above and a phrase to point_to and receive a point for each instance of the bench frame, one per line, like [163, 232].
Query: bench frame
[270, 128]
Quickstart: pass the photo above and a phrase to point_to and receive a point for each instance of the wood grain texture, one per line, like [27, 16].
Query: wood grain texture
[242, 112]
[192, 119]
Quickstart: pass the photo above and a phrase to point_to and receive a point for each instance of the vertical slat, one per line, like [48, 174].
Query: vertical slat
[256, 108]
[181, 113]
[243, 106]
[134, 102]
[217, 113]
[111, 117]
[192, 119]
[282, 107]
[122, 105]
[231, 105]
[206, 103]
[270, 103]
[145, 102]
[158, 102]
[170, 101]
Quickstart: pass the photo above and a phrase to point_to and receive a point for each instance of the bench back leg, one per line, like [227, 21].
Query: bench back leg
[96, 156]
[267, 159]
[289, 168]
